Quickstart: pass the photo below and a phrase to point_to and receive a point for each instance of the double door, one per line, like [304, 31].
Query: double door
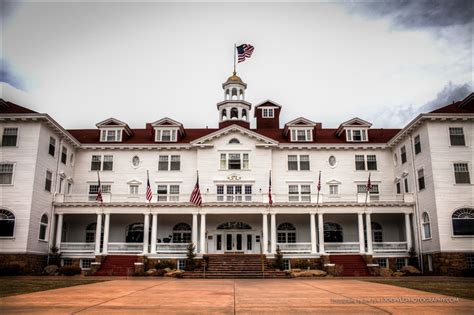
[235, 242]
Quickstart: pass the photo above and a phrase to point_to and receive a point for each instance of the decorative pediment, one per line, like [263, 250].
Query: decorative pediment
[134, 182]
[111, 122]
[354, 122]
[166, 122]
[333, 182]
[167, 129]
[301, 121]
[232, 129]
[111, 130]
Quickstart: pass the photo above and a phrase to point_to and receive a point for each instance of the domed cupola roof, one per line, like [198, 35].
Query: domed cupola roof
[234, 79]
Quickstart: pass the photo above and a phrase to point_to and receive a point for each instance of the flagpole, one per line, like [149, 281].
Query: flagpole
[235, 48]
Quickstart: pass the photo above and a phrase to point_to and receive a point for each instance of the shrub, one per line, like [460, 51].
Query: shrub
[303, 264]
[160, 273]
[165, 264]
[190, 255]
[70, 270]
[10, 270]
[278, 262]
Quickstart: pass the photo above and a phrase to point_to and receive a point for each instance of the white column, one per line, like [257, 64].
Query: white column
[203, 233]
[312, 224]
[146, 231]
[105, 247]
[154, 229]
[361, 233]
[59, 231]
[98, 232]
[368, 224]
[195, 229]
[273, 233]
[408, 230]
[264, 233]
[321, 233]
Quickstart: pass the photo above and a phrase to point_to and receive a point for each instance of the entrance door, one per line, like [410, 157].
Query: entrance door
[234, 242]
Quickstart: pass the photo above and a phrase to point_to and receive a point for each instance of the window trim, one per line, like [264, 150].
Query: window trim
[14, 223]
[64, 153]
[364, 134]
[294, 134]
[49, 146]
[12, 183]
[469, 172]
[241, 153]
[452, 226]
[417, 144]
[299, 193]
[159, 134]
[41, 224]
[168, 161]
[104, 134]
[51, 181]
[102, 161]
[298, 162]
[17, 137]
[423, 223]
[270, 112]
[463, 134]
[421, 169]
[366, 163]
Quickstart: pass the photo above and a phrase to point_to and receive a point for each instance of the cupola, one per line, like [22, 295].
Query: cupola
[234, 109]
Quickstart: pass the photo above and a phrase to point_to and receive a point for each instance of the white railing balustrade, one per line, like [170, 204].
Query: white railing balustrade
[125, 247]
[390, 246]
[295, 247]
[343, 247]
[175, 248]
[69, 247]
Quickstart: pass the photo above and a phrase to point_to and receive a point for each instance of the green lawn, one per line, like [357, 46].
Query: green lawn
[15, 286]
[461, 287]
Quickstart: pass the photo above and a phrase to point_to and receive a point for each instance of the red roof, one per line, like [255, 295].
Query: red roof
[11, 108]
[455, 108]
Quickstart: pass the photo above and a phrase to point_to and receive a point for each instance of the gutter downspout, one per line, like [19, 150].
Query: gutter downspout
[417, 208]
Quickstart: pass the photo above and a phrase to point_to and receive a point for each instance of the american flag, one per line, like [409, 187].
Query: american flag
[244, 51]
[270, 199]
[196, 194]
[319, 182]
[149, 193]
[369, 184]
[99, 190]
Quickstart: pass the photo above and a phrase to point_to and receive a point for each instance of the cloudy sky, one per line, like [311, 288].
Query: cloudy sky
[385, 62]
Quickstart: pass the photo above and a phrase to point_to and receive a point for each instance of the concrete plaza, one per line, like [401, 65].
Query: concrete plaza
[178, 296]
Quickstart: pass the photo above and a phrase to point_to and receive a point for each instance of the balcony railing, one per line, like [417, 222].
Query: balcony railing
[343, 247]
[135, 248]
[239, 198]
[174, 248]
[380, 247]
[295, 247]
[86, 248]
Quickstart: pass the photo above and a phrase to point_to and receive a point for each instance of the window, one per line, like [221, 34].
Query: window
[134, 233]
[107, 165]
[360, 163]
[421, 179]
[298, 162]
[371, 162]
[86, 263]
[232, 193]
[165, 135]
[7, 223]
[52, 146]
[48, 181]
[268, 113]
[334, 189]
[167, 192]
[60, 186]
[463, 222]
[136, 161]
[301, 134]
[9, 137]
[400, 263]
[234, 161]
[461, 173]
[403, 154]
[374, 191]
[169, 163]
[377, 232]
[182, 233]
[94, 189]
[456, 136]
[64, 155]
[470, 261]
[299, 193]
[356, 135]
[67, 261]
[417, 144]
[6, 173]
[43, 227]
[111, 135]
[426, 226]
[181, 264]
[133, 189]
[332, 233]
[286, 233]
[234, 141]
[90, 232]
[382, 262]
[332, 161]
[96, 163]
[405, 183]
[399, 188]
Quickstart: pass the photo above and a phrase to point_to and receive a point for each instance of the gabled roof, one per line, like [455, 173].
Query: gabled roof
[354, 122]
[113, 122]
[168, 122]
[268, 103]
[298, 122]
[221, 132]
[12, 108]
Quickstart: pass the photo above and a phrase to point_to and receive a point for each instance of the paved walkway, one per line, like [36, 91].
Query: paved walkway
[168, 296]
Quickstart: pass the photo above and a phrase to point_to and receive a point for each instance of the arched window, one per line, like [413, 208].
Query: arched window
[224, 114]
[234, 93]
[43, 227]
[241, 94]
[234, 141]
[286, 233]
[227, 93]
[134, 233]
[244, 114]
[463, 221]
[332, 232]
[426, 225]
[7, 223]
[234, 113]
[377, 234]
[182, 233]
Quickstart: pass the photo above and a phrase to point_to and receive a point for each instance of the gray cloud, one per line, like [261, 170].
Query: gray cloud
[401, 115]
[7, 75]
[7, 9]
[420, 14]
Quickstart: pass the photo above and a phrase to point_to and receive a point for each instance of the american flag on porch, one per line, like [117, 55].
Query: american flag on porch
[99, 190]
[196, 194]
[149, 193]
[369, 185]
[270, 199]
[319, 183]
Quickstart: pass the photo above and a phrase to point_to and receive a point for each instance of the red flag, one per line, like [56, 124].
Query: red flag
[270, 199]
[196, 194]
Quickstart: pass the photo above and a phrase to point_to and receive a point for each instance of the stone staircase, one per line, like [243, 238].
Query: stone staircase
[117, 265]
[236, 266]
[354, 265]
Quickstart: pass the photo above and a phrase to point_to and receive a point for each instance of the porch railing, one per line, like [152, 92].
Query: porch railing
[343, 247]
[175, 248]
[390, 246]
[295, 247]
[68, 247]
[125, 247]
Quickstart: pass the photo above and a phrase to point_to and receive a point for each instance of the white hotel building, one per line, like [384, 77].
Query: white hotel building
[422, 195]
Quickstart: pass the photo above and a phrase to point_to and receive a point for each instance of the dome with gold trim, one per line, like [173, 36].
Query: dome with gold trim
[234, 78]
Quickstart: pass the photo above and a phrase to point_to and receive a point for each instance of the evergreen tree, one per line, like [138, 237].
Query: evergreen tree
[190, 255]
[279, 263]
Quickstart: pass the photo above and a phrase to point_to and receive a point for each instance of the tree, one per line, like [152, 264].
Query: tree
[413, 260]
[190, 255]
[278, 262]
[54, 257]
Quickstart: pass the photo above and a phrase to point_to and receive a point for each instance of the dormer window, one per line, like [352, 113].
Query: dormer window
[111, 135]
[268, 113]
[165, 135]
[301, 134]
[356, 135]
